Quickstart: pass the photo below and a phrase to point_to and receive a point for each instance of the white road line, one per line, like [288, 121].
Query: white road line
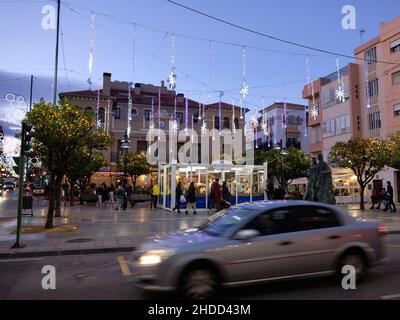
[391, 297]
[21, 260]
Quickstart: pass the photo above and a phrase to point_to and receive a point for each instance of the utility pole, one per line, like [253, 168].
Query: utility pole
[56, 58]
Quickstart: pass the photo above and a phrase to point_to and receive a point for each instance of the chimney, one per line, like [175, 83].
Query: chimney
[106, 84]
[162, 84]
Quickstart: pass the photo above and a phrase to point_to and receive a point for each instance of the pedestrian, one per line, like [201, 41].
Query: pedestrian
[129, 193]
[111, 190]
[120, 198]
[375, 199]
[391, 205]
[99, 193]
[191, 198]
[104, 197]
[155, 194]
[216, 194]
[178, 197]
[270, 190]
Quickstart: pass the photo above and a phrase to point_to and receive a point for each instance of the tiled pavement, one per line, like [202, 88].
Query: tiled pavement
[101, 230]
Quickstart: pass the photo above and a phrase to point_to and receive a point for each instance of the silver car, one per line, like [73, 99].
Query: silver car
[260, 242]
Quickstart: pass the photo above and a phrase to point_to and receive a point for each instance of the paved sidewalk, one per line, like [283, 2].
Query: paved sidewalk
[92, 230]
[88, 230]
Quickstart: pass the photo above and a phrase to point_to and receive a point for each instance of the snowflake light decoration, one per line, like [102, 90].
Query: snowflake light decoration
[340, 94]
[244, 91]
[99, 123]
[174, 126]
[151, 126]
[204, 128]
[314, 113]
[254, 122]
[172, 81]
[265, 128]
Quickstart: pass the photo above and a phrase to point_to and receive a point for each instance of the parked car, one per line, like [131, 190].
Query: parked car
[260, 242]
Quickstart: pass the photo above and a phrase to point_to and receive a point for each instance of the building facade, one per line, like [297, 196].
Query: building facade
[152, 106]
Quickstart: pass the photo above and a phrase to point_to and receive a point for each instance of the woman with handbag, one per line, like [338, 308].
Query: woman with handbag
[178, 197]
[191, 198]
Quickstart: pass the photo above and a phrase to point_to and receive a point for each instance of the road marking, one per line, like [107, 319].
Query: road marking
[391, 297]
[124, 267]
[21, 260]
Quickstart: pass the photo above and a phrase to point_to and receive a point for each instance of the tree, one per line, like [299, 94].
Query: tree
[136, 166]
[394, 160]
[85, 163]
[365, 157]
[295, 164]
[58, 131]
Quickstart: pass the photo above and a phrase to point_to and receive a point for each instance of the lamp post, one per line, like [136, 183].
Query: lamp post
[283, 152]
[124, 152]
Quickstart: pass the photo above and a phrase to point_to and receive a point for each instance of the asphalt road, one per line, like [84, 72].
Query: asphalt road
[107, 276]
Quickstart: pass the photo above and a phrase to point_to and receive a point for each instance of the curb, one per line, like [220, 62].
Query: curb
[36, 254]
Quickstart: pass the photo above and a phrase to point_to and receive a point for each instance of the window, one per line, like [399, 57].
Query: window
[396, 77]
[216, 123]
[271, 222]
[227, 123]
[317, 132]
[373, 88]
[89, 109]
[371, 56]
[179, 117]
[117, 113]
[311, 218]
[329, 127]
[102, 115]
[343, 124]
[374, 120]
[147, 114]
[395, 46]
[134, 112]
[397, 110]
[236, 123]
[141, 147]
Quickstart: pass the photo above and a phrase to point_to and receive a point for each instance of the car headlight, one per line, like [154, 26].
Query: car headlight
[155, 257]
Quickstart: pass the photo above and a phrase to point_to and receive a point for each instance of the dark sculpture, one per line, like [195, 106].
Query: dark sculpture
[320, 183]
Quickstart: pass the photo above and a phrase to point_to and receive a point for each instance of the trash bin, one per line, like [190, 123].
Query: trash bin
[27, 202]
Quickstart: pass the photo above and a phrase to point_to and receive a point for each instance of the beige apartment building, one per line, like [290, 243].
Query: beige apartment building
[370, 107]
[150, 104]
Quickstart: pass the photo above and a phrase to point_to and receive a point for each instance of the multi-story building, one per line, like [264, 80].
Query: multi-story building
[291, 133]
[150, 105]
[370, 106]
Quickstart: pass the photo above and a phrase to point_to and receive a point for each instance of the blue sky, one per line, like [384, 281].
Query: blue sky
[27, 48]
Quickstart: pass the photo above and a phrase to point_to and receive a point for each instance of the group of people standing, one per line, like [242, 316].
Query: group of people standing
[110, 194]
[385, 196]
[220, 197]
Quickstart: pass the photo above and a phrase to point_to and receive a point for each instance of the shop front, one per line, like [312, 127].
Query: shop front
[246, 184]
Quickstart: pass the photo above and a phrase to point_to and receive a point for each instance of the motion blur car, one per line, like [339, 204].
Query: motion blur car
[9, 185]
[259, 242]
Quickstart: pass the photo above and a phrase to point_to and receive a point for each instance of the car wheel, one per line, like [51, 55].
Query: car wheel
[356, 260]
[199, 284]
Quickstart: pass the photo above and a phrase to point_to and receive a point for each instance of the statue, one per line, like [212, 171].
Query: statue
[320, 183]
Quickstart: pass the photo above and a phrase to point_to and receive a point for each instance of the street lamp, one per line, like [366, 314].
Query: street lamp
[283, 152]
[124, 152]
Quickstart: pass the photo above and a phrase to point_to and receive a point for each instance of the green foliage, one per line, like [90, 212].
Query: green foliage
[136, 166]
[394, 160]
[295, 164]
[365, 157]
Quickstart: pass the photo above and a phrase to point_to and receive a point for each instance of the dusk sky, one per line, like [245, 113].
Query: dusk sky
[28, 48]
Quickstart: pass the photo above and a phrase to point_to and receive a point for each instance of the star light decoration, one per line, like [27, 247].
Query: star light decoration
[99, 123]
[265, 128]
[244, 91]
[151, 126]
[314, 113]
[174, 126]
[340, 94]
[172, 81]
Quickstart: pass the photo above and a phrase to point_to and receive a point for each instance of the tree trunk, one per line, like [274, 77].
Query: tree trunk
[58, 197]
[362, 204]
[50, 212]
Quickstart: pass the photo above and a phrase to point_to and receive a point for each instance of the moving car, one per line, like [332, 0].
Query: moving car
[9, 185]
[260, 242]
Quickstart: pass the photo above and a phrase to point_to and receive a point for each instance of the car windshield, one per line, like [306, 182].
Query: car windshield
[225, 220]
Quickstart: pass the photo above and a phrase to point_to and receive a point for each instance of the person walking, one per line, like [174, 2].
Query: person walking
[155, 194]
[270, 190]
[104, 197]
[191, 197]
[120, 198]
[111, 190]
[391, 205]
[216, 194]
[178, 195]
[99, 193]
[375, 199]
[226, 195]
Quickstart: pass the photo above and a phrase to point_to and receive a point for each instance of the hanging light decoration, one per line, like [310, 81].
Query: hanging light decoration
[339, 92]
[314, 109]
[91, 45]
[233, 117]
[172, 76]
[98, 120]
[367, 86]
[128, 126]
[244, 91]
